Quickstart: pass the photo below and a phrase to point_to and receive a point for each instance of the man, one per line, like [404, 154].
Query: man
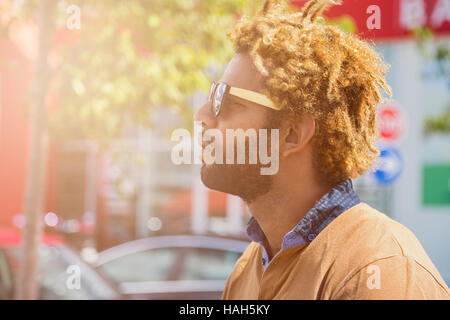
[311, 236]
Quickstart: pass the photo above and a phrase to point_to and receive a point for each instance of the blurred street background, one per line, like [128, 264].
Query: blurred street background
[91, 205]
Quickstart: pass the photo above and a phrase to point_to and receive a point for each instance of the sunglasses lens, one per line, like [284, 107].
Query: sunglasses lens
[218, 96]
[211, 91]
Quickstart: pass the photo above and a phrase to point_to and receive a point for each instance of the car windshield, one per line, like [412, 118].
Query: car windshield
[64, 276]
[207, 264]
[171, 263]
[148, 265]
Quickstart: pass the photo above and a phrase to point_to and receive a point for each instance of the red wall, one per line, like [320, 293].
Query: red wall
[15, 75]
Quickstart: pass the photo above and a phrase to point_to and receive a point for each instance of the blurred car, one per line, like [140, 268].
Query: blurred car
[54, 260]
[172, 267]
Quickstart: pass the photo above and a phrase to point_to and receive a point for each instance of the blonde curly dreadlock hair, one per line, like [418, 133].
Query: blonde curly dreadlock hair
[313, 68]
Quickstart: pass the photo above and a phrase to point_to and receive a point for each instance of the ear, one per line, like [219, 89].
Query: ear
[298, 133]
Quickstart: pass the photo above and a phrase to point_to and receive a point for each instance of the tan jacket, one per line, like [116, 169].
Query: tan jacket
[362, 254]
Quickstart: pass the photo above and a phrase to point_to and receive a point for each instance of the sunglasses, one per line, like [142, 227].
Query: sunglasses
[219, 89]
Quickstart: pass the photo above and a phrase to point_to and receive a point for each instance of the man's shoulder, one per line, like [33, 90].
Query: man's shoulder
[361, 233]
[366, 228]
[364, 235]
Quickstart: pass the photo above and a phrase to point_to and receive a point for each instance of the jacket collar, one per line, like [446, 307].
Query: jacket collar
[336, 201]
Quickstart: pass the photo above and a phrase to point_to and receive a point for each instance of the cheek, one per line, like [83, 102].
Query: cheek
[244, 121]
[247, 118]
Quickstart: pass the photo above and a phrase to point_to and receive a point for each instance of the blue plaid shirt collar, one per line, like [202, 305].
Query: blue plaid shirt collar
[339, 199]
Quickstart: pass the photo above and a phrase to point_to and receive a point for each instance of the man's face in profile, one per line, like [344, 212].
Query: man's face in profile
[244, 180]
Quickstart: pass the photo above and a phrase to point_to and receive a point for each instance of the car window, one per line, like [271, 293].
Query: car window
[56, 277]
[56, 280]
[208, 264]
[53, 277]
[148, 265]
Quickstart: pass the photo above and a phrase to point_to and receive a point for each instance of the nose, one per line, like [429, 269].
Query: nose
[205, 116]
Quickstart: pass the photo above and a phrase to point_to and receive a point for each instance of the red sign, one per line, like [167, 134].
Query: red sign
[389, 19]
[390, 122]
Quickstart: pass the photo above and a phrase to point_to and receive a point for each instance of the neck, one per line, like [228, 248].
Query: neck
[278, 211]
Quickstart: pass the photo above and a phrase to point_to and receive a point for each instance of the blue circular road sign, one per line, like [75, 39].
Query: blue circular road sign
[390, 167]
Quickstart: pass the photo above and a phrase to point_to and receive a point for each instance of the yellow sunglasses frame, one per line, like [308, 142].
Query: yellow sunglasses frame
[245, 94]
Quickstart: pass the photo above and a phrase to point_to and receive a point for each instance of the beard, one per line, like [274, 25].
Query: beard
[242, 180]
